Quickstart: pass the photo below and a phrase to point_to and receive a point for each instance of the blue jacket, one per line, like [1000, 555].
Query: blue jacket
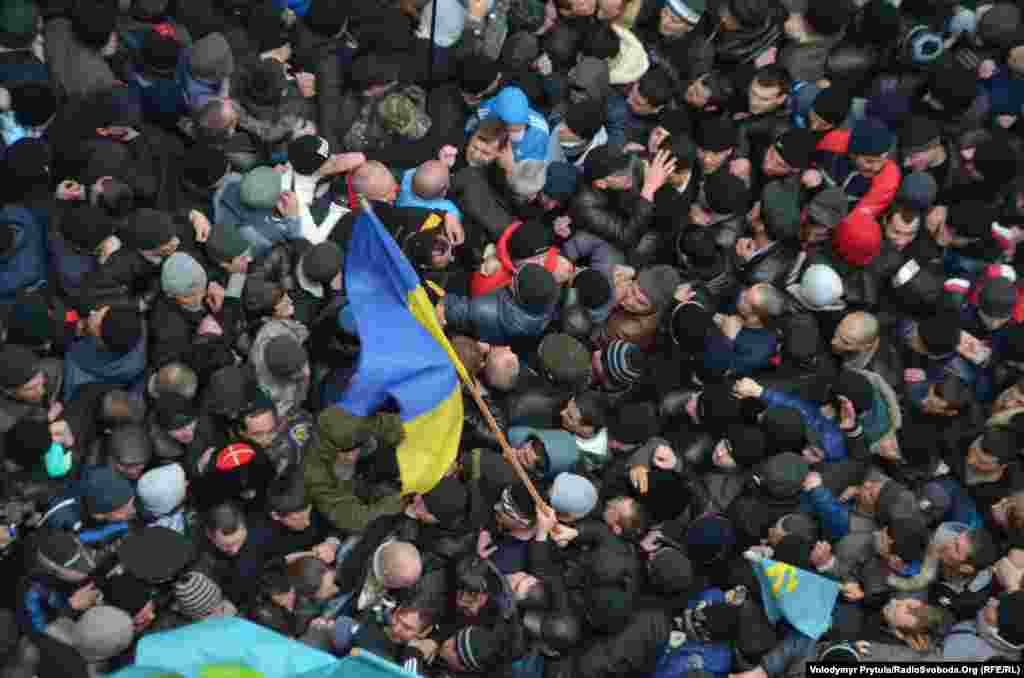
[534, 145]
[70, 266]
[832, 439]
[408, 198]
[195, 92]
[89, 363]
[161, 98]
[495, 318]
[25, 267]
[833, 514]
[259, 227]
[751, 350]
[68, 513]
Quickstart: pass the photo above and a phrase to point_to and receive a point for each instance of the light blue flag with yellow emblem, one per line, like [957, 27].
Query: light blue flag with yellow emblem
[802, 598]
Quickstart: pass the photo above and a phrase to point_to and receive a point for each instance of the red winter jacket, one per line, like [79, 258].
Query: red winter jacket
[883, 186]
[482, 284]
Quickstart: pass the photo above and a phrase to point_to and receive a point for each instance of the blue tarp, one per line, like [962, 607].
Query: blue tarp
[226, 640]
[237, 641]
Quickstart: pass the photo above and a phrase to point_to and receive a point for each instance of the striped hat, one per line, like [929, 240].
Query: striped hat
[623, 363]
[198, 596]
[477, 647]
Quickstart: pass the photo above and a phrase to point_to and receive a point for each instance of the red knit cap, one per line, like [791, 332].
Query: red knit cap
[858, 238]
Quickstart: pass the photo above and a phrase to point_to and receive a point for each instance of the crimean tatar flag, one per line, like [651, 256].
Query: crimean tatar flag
[404, 356]
[803, 598]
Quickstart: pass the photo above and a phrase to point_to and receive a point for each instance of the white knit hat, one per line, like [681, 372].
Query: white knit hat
[820, 286]
[632, 61]
[102, 632]
[162, 490]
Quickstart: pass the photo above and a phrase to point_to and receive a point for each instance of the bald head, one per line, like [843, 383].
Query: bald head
[398, 565]
[431, 180]
[375, 181]
[858, 331]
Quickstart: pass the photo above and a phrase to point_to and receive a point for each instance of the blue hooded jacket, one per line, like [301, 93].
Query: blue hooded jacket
[512, 106]
[89, 363]
[25, 266]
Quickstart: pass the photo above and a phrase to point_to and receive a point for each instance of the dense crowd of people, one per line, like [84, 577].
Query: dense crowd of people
[737, 279]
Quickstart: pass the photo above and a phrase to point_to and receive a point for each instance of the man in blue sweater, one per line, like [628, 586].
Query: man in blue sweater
[746, 343]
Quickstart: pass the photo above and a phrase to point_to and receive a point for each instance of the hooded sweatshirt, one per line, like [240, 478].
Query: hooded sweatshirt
[262, 228]
[24, 267]
[287, 394]
[161, 492]
[88, 362]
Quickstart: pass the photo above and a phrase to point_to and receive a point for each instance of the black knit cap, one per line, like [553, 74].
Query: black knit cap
[716, 135]
[586, 118]
[971, 219]
[18, 366]
[910, 538]
[785, 429]
[476, 80]
[326, 17]
[478, 648]
[855, 387]
[93, 22]
[801, 337]
[266, 82]
[794, 550]
[797, 147]
[373, 69]
[121, 330]
[147, 229]
[265, 27]
[203, 165]
[89, 227]
[689, 327]
[284, 356]
[635, 423]
[603, 162]
[174, 411]
[592, 288]
[676, 121]
[940, 333]
[718, 408]
[1000, 443]
[28, 162]
[1010, 618]
[748, 445]
[155, 555]
[828, 18]
[323, 262]
[918, 133]
[128, 593]
[529, 239]
[447, 501]
[535, 288]
[27, 442]
[726, 194]
[833, 104]
[33, 103]
[160, 53]
[308, 153]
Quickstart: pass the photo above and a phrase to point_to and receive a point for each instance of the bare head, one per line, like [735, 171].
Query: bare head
[398, 565]
[374, 180]
[857, 332]
[431, 180]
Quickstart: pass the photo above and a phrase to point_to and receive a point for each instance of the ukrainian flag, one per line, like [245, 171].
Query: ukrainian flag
[802, 598]
[405, 356]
